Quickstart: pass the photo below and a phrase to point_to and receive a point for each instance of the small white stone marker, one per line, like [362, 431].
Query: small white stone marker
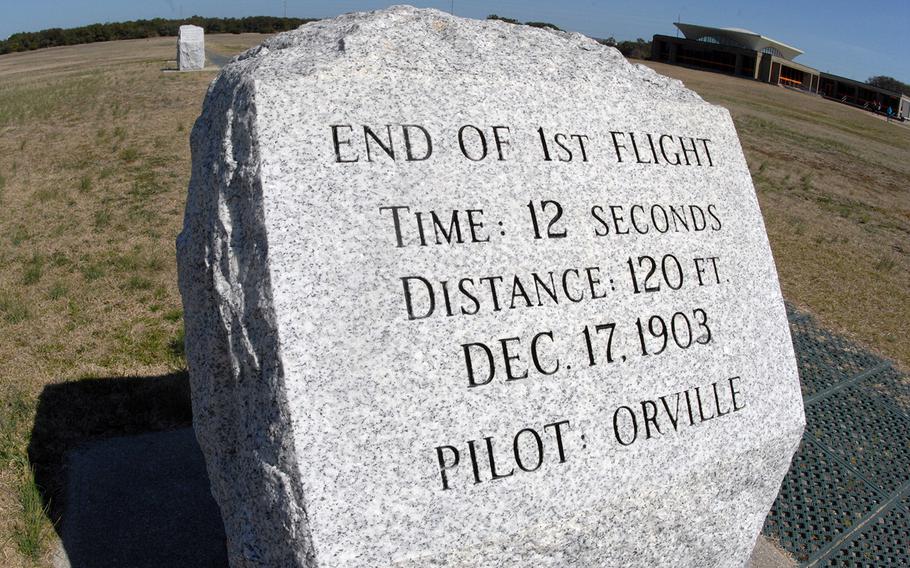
[190, 48]
[469, 294]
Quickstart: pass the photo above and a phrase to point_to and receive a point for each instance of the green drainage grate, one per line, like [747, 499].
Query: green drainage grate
[864, 429]
[885, 542]
[846, 499]
[819, 500]
[824, 359]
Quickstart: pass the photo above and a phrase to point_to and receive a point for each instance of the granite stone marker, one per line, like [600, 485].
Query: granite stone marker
[190, 48]
[463, 293]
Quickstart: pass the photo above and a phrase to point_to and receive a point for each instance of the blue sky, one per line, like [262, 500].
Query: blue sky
[854, 38]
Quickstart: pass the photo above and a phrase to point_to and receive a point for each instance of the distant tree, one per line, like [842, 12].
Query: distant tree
[638, 49]
[502, 19]
[890, 83]
[158, 27]
[532, 24]
[547, 25]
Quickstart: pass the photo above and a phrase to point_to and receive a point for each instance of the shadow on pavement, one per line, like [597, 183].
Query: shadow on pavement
[122, 476]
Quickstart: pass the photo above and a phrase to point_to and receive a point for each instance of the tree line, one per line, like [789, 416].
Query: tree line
[160, 27]
[138, 29]
[638, 49]
[890, 83]
[532, 24]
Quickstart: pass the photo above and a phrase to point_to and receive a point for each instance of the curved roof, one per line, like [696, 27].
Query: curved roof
[738, 37]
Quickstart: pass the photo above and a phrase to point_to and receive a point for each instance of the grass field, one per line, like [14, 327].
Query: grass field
[94, 164]
[834, 186]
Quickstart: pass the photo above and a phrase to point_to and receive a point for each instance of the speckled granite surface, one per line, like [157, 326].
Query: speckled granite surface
[557, 402]
[190, 48]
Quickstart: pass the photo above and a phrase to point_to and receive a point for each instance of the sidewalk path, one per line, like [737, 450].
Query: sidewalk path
[217, 60]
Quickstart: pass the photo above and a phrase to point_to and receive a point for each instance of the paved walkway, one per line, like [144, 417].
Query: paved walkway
[140, 502]
[217, 60]
[846, 500]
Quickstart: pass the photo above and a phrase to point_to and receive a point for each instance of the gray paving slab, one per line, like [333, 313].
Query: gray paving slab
[141, 502]
[216, 59]
[768, 554]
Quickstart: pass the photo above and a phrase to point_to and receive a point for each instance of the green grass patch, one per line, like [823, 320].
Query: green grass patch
[136, 260]
[15, 417]
[853, 128]
[137, 283]
[39, 101]
[885, 264]
[149, 341]
[76, 313]
[30, 525]
[173, 315]
[769, 130]
[131, 261]
[847, 208]
[31, 529]
[57, 291]
[85, 184]
[34, 268]
[154, 264]
[79, 159]
[145, 185]
[805, 182]
[129, 154]
[60, 260]
[13, 308]
[177, 347]
[101, 218]
[46, 194]
[92, 271]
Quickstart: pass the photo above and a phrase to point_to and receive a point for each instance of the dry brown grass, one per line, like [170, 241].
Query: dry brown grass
[94, 164]
[834, 186]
